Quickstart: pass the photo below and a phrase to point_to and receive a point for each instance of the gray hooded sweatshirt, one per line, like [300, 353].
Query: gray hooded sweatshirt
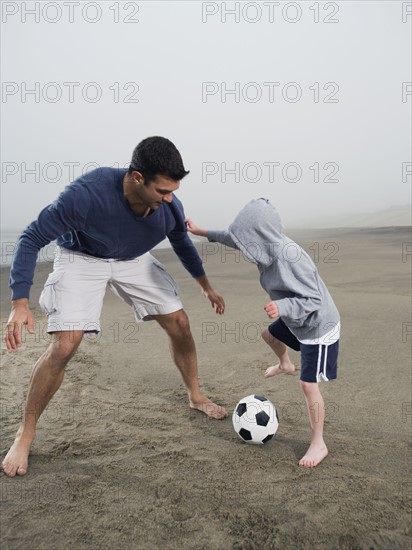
[287, 273]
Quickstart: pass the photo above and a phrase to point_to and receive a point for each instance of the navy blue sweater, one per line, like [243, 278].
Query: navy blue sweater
[93, 216]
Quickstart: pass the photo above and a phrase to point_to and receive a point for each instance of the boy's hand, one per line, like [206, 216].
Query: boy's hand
[192, 228]
[271, 309]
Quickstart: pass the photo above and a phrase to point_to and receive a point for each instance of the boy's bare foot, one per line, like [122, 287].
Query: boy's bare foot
[314, 455]
[210, 409]
[280, 368]
[17, 459]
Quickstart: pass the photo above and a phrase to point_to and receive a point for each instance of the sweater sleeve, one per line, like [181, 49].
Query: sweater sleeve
[67, 213]
[182, 244]
[187, 253]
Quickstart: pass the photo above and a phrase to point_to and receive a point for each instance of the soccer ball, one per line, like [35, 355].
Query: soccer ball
[255, 419]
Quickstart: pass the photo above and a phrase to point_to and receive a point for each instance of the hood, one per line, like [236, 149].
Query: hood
[258, 232]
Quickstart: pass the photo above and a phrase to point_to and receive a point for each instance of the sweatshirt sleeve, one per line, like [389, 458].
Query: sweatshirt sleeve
[222, 237]
[67, 213]
[306, 301]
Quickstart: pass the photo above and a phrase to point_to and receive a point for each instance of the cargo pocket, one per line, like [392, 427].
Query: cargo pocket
[48, 298]
[167, 277]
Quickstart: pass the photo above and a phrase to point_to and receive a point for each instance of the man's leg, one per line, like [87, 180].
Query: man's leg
[45, 380]
[316, 410]
[279, 348]
[183, 352]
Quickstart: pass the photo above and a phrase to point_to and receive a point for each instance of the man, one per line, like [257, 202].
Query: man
[105, 223]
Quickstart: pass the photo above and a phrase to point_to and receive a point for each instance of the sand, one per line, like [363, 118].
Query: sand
[120, 461]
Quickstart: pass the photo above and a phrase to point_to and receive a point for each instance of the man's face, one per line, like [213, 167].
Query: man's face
[157, 191]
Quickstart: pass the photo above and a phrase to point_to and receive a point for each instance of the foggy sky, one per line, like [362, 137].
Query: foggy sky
[265, 95]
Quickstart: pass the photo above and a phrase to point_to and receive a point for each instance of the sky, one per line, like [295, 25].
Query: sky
[305, 103]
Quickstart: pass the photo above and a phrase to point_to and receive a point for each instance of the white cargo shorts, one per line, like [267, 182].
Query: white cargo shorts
[72, 297]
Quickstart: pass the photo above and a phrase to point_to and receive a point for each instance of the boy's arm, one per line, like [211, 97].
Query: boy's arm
[222, 237]
[305, 302]
[296, 308]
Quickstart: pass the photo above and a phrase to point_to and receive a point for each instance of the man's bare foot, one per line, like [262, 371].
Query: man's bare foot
[204, 405]
[280, 368]
[314, 455]
[17, 459]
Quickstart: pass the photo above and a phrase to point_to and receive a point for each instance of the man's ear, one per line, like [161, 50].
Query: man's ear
[137, 176]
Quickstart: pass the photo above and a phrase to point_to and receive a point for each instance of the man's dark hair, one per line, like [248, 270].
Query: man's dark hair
[157, 156]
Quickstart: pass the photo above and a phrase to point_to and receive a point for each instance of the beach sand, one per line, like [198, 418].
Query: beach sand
[120, 461]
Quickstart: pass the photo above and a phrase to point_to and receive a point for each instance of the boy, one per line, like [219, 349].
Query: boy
[307, 318]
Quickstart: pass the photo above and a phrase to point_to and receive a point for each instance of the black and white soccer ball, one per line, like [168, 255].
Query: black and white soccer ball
[255, 419]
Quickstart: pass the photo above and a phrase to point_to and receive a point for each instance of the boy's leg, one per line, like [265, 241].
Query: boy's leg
[280, 349]
[317, 361]
[316, 410]
[45, 380]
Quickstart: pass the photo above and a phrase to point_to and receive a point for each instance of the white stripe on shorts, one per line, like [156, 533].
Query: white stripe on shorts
[325, 362]
[318, 365]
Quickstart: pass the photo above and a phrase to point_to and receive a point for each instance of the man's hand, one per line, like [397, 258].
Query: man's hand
[20, 315]
[193, 228]
[271, 309]
[218, 303]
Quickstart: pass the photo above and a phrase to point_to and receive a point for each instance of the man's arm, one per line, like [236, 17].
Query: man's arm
[68, 212]
[190, 258]
[215, 236]
[65, 214]
[216, 300]
[20, 315]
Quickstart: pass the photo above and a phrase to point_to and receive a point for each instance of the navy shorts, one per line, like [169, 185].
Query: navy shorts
[317, 360]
